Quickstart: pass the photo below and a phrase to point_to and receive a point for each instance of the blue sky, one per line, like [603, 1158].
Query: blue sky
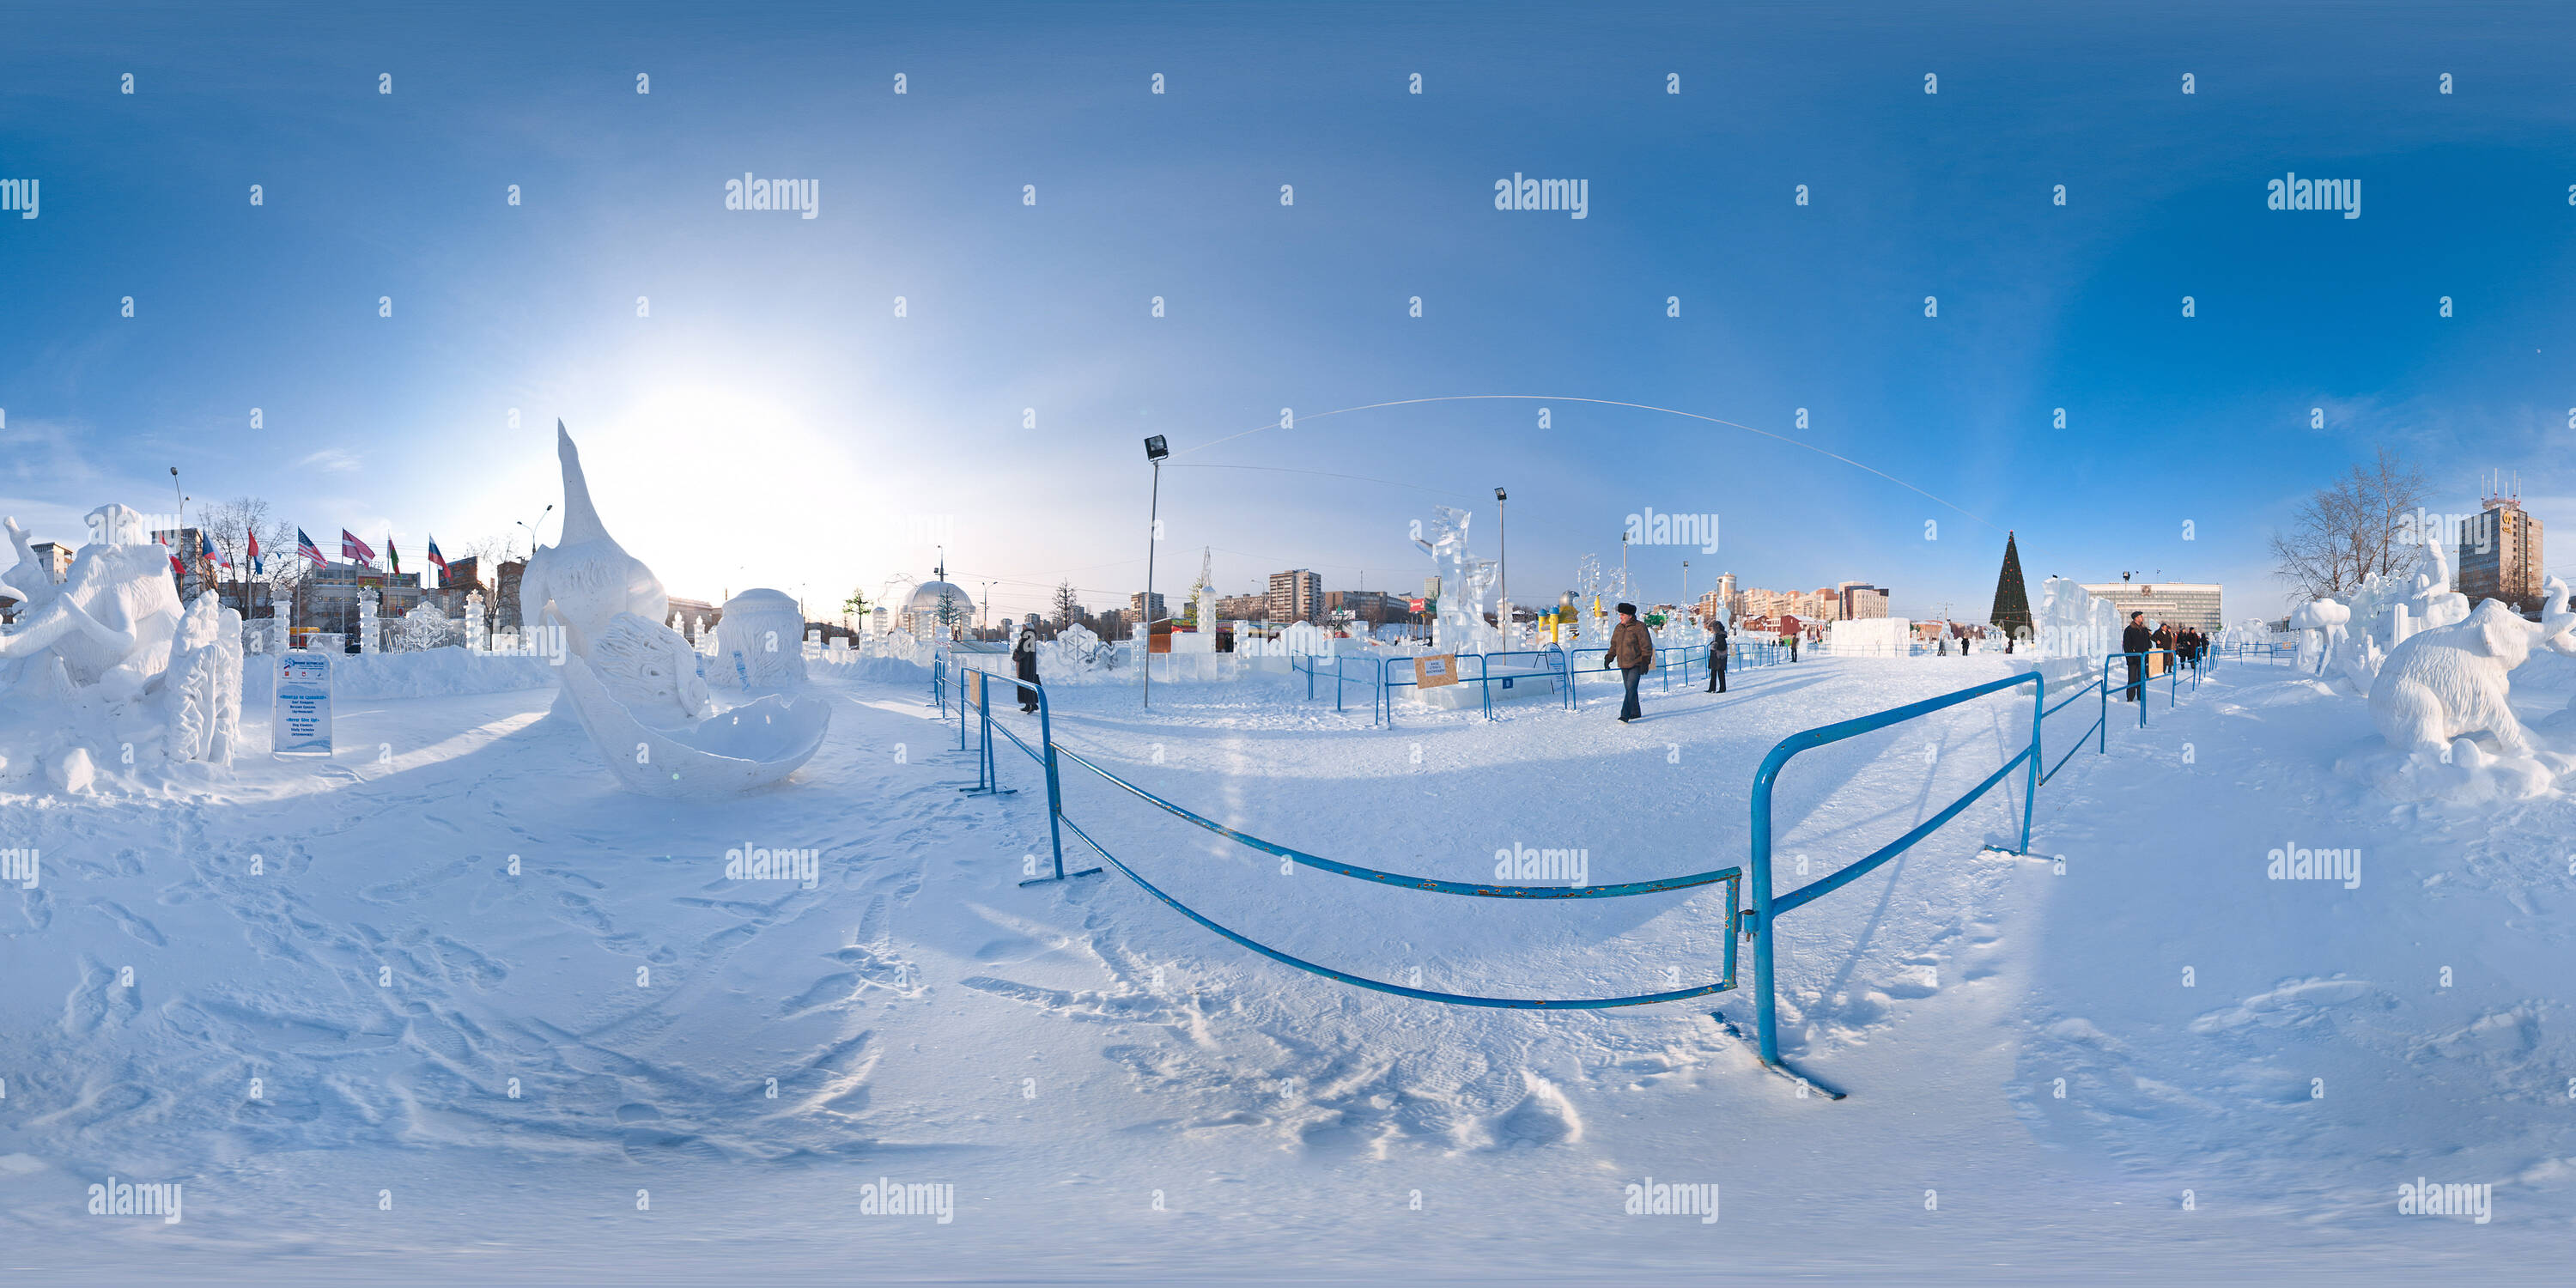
[772, 421]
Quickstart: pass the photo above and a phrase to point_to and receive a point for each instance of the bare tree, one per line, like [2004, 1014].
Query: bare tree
[228, 525]
[2345, 534]
[1068, 608]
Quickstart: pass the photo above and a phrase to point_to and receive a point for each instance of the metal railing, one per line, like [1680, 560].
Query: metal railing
[979, 692]
[1768, 907]
[1384, 675]
[1756, 922]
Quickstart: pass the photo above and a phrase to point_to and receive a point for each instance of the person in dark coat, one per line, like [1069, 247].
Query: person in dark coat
[1717, 655]
[1024, 660]
[1632, 650]
[2135, 641]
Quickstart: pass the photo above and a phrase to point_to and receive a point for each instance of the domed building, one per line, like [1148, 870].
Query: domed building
[934, 603]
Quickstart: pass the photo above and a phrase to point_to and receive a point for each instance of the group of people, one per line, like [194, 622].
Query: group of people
[2187, 645]
[1632, 654]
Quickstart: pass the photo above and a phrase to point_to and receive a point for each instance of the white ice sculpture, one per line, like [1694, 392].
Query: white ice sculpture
[2448, 689]
[633, 684]
[202, 689]
[108, 659]
[763, 632]
[2321, 626]
[2073, 622]
[423, 628]
[111, 619]
[1306, 639]
[475, 639]
[750, 746]
[586, 575]
[1464, 581]
[652, 669]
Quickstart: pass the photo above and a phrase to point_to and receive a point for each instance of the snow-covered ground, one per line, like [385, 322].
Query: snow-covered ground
[711, 1072]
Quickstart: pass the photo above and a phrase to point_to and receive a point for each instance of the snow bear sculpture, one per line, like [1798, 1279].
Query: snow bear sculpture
[2452, 682]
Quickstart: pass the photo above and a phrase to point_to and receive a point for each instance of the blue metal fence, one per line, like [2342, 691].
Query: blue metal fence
[1382, 676]
[1756, 922]
[979, 692]
[1768, 907]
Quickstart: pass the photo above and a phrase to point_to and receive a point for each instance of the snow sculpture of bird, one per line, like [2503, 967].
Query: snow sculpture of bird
[587, 576]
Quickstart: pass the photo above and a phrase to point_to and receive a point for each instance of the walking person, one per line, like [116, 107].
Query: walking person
[1024, 660]
[2135, 641]
[1717, 655]
[1632, 650]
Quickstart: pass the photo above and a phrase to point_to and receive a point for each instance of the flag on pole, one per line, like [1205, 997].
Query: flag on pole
[439, 560]
[255, 568]
[304, 546]
[177, 569]
[393, 555]
[353, 549]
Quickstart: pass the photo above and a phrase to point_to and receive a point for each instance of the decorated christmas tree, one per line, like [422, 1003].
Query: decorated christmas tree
[2012, 598]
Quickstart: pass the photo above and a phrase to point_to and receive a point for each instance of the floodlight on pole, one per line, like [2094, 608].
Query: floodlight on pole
[1155, 450]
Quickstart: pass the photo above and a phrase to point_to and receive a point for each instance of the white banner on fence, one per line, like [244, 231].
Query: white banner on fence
[300, 720]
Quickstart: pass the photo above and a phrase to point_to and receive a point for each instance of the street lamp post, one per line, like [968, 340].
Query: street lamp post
[532, 529]
[1155, 450]
[1503, 539]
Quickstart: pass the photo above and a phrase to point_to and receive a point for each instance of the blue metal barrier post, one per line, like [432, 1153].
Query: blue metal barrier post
[1767, 908]
[1055, 791]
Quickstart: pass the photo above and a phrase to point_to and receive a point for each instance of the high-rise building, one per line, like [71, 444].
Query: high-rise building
[55, 556]
[1373, 606]
[1296, 596]
[1860, 601]
[1242, 608]
[1138, 608]
[2500, 555]
[505, 610]
[2184, 603]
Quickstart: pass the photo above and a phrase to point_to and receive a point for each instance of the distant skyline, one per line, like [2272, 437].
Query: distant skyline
[752, 411]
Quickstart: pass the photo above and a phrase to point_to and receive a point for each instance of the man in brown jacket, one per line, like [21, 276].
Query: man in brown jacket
[1632, 650]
